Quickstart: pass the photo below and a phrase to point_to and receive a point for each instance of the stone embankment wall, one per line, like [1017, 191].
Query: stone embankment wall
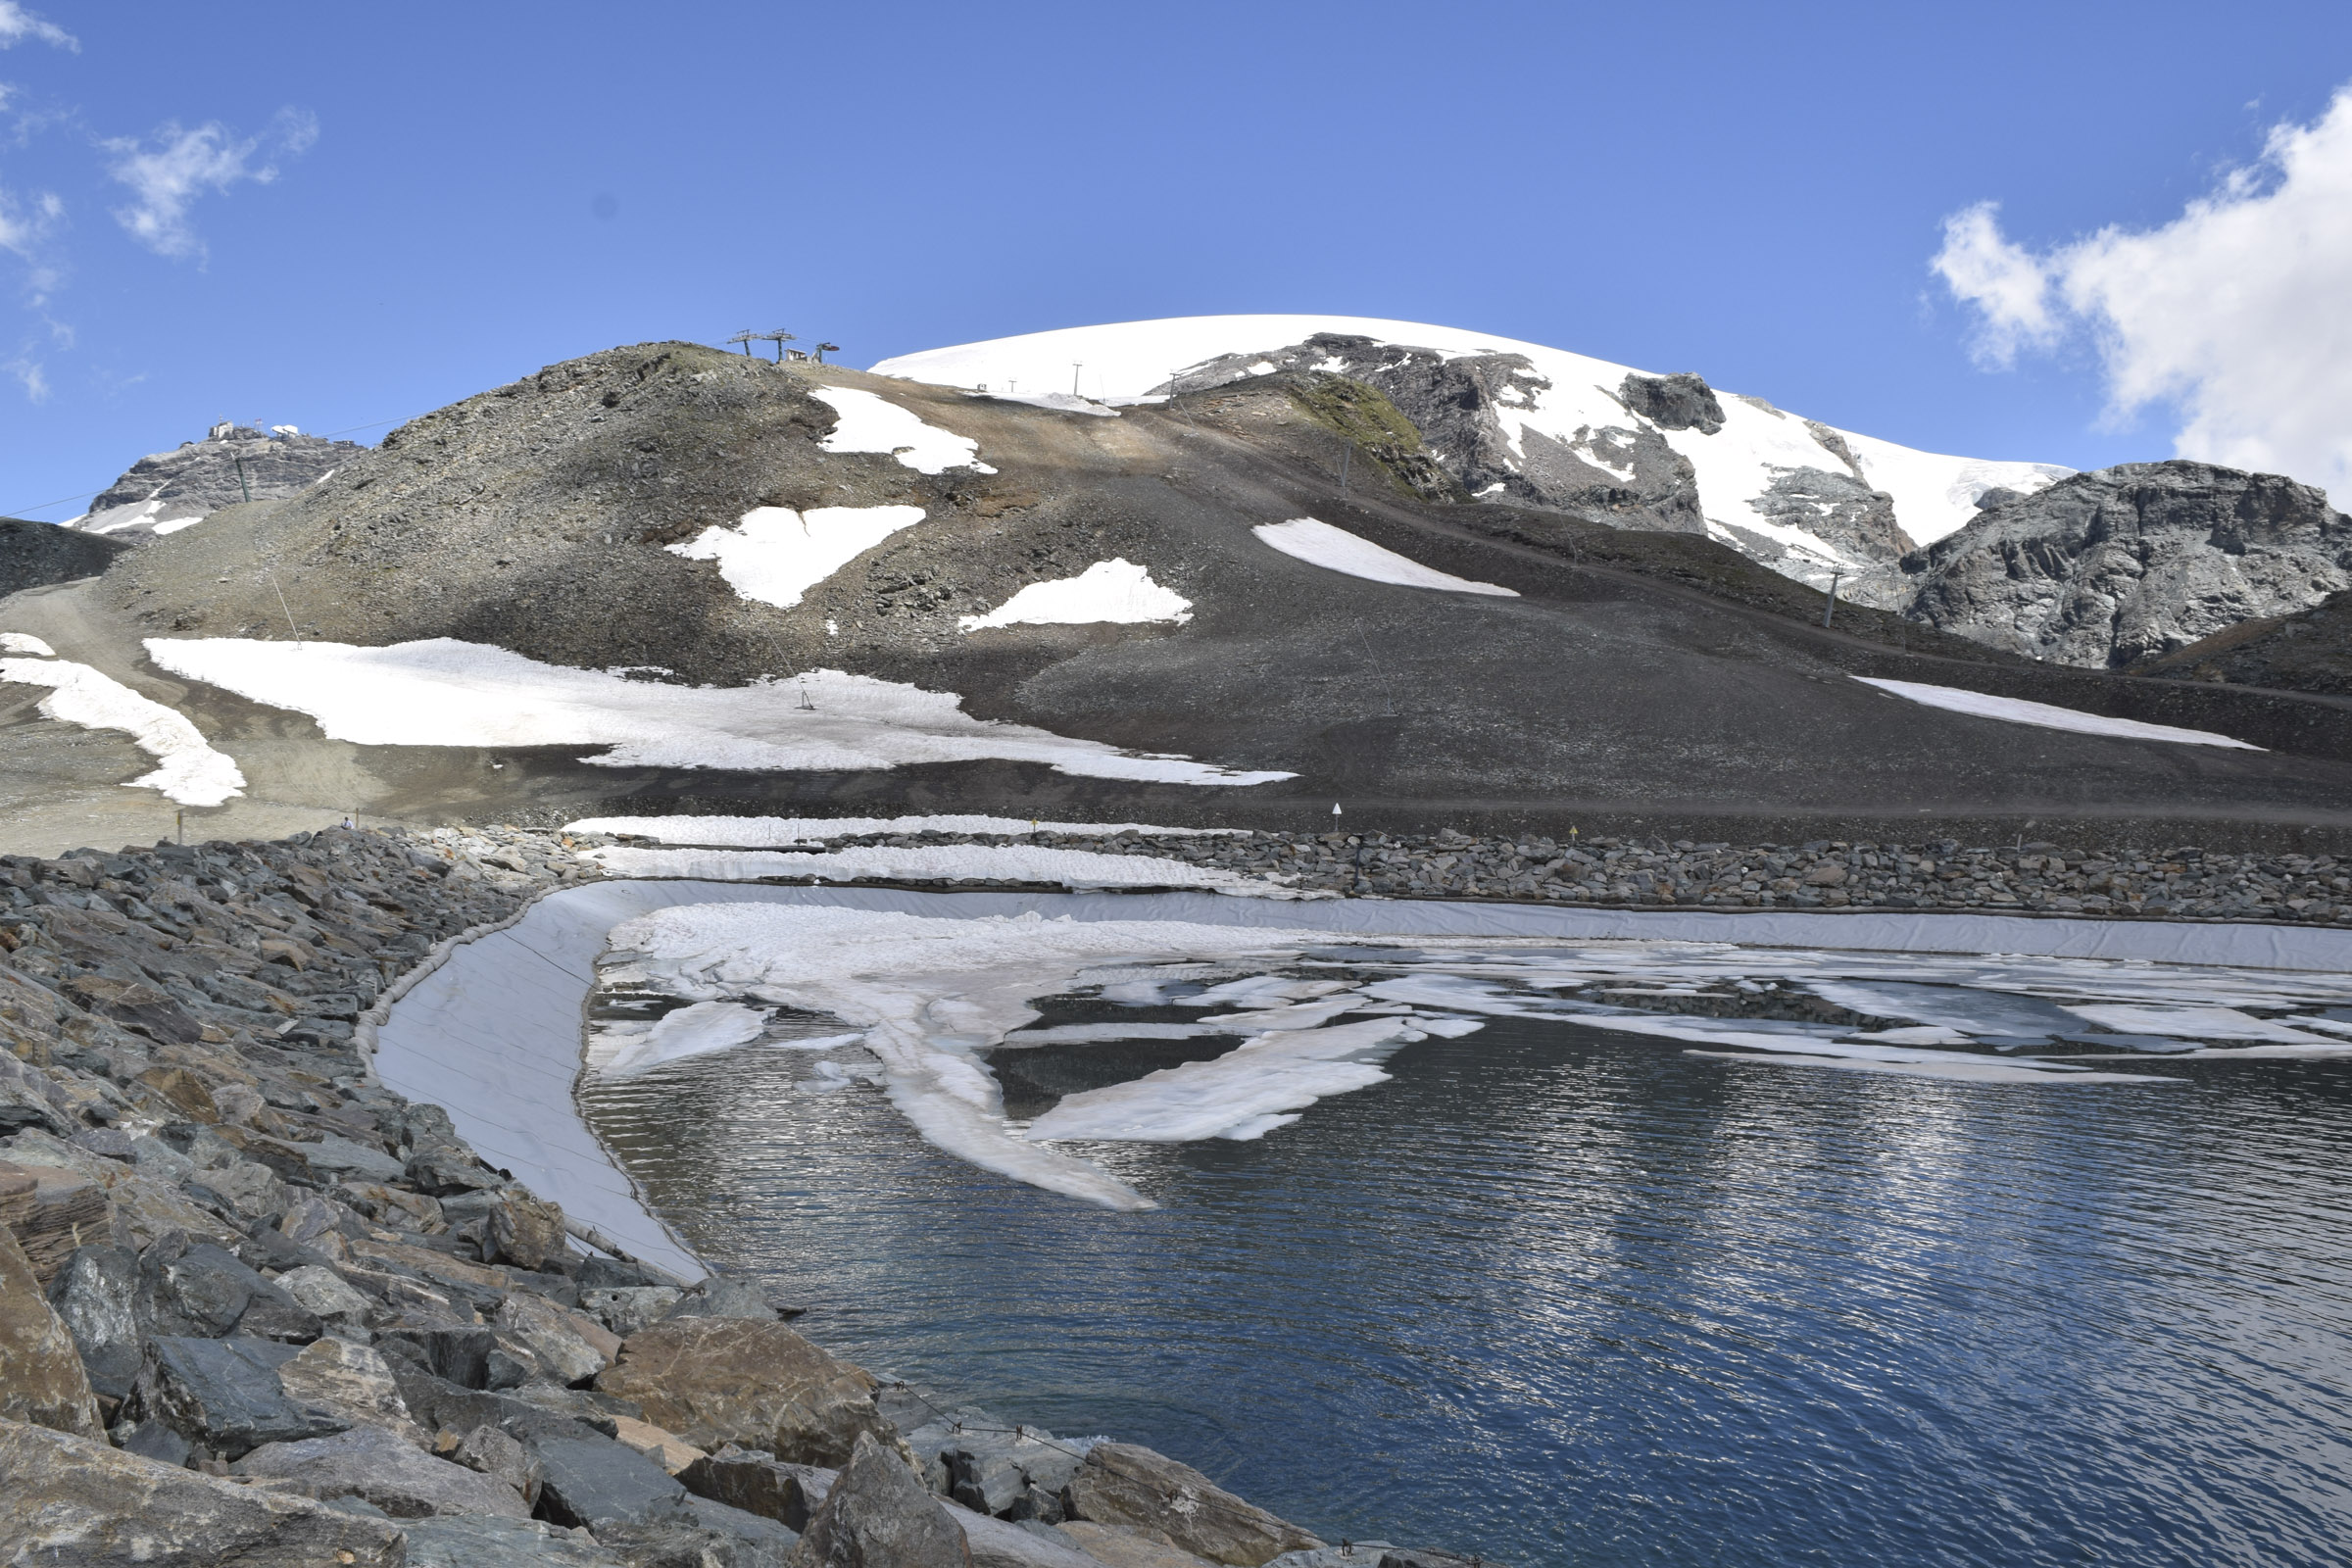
[2033, 877]
[254, 1307]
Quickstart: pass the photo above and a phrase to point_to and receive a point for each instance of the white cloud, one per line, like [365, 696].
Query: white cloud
[166, 179]
[2233, 314]
[2001, 280]
[30, 375]
[17, 24]
[25, 231]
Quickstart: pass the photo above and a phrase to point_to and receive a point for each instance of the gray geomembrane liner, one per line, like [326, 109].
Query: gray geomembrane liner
[495, 1034]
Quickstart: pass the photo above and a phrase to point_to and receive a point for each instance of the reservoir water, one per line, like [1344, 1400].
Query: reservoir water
[1564, 1297]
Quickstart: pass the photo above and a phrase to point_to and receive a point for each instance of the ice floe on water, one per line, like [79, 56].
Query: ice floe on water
[1075, 869]
[443, 692]
[777, 555]
[191, 773]
[1319, 543]
[1116, 591]
[871, 423]
[2045, 715]
[791, 832]
[935, 1000]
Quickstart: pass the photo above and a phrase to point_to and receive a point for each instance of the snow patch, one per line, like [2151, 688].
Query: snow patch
[17, 642]
[443, 692]
[871, 423]
[1319, 543]
[2016, 711]
[777, 555]
[791, 832]
[192, 772]
[695, 1030]
[1076, 869]
[1115, 590]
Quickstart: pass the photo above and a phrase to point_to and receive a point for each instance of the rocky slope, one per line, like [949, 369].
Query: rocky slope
[34, 554]
[813, 583]
[2130, 563]
[254, 1307]
[2309, 651]
[1542, 427]
[167, 491]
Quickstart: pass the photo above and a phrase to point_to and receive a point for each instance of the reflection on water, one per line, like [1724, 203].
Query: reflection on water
[1559, 1296]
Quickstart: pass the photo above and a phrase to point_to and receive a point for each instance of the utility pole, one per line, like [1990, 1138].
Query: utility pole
[1830, 605]
[1347, 451]
[823, 349]
[1075, 366]
[779, 337]
[241, 484]
[745, 337]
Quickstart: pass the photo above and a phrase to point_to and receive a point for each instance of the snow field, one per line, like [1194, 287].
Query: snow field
[17, 642]
[191, 773]
[1116, 590]
[1319, 543]
[1075, 869]
[2016, 711]
[777, 555]
[792, 832]
[443, 692]
[871, 423]
[1934, 494]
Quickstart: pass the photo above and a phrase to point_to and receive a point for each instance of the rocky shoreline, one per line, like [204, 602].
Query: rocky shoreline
[254, 1306]
[2184, 883]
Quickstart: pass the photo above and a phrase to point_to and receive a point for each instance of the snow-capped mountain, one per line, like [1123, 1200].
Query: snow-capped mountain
[1541, 427]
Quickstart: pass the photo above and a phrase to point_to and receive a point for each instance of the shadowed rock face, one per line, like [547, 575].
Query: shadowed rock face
[2103, 570]
[2310, 650]
[34, 554]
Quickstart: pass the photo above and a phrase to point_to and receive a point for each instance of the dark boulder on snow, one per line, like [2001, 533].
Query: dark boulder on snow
[1682, 401]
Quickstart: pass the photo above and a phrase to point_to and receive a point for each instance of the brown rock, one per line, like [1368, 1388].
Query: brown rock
[355, 1383]
[184, 1091]
[526, 1231]
[138, 1004]
[1829, 875]
[878, 1515]
[554, 1337]
[1126, 1484]
[72, 1501]
[52, 1212]
[42, 1377]
[719, 1379]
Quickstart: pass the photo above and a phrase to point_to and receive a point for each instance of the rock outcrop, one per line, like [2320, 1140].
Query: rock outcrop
[167, 491]
[2132, 562]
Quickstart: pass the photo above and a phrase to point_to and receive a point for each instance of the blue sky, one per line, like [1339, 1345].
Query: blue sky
[464, 193]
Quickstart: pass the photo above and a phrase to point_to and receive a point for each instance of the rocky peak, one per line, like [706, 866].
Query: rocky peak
[233, 463]
[1682, 401]
[2106, 568]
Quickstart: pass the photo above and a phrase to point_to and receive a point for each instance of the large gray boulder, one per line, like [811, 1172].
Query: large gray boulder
[1126, 1484]
[223, 1396]
[757, 1483]
[879, 1515]
[2134, 561]
[95, 1296]
[384, 1469]
[490, 1540]
[208, 1293]
[72, 1501]
[719, 1379]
